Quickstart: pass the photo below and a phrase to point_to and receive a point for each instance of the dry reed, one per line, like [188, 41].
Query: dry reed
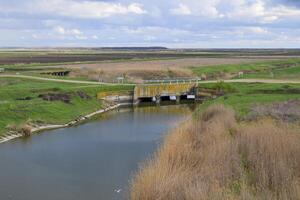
[213, 157]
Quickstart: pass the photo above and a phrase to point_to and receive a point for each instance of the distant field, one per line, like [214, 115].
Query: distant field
[153, 69]
[292, 72]
[61, 57]
[277, 69]
[29, 56]
[136, 65]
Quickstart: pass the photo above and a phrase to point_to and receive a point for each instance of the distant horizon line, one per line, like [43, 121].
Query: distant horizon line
[154, 47]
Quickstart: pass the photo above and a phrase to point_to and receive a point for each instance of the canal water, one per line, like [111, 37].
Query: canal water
[92, 161]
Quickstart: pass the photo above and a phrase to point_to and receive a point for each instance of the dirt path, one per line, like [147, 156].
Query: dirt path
[59, 80]
[255, 81]
[101, 83]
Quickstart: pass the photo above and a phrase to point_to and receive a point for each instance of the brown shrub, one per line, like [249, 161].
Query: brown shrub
[26, 130]
[12, 127]
[215, 158]
[288, 111]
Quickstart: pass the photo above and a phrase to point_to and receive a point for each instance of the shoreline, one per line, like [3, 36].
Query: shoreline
[11, 136]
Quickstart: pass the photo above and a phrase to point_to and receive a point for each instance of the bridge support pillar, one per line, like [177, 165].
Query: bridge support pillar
[178, 99]
[157, 99]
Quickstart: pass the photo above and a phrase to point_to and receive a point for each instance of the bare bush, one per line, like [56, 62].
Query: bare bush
[12, 127]
[287, 111]
[26, 130]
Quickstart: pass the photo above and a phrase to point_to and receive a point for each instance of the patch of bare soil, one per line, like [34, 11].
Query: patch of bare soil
[64, 97]
[288, 111]
[83, 95]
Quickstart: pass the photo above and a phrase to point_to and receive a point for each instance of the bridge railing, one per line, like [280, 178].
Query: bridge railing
[172, 81]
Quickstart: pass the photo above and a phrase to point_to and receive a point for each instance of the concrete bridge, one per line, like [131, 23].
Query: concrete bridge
[164, 92]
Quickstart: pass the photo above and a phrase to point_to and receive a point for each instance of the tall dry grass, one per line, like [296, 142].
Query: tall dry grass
[270, 155]
[213, 157]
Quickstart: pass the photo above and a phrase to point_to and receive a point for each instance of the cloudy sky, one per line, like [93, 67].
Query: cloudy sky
[170, 23]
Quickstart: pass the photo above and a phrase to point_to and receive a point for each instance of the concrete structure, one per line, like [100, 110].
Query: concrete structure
[241, 74]
[120, 79]
[161, 92]
[2, 70]
[158, 93]
[116, 97]
[172, 81]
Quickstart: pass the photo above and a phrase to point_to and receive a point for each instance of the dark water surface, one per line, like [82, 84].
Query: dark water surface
[93, 161]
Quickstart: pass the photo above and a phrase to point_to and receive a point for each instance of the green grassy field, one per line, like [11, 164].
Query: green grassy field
[282, 69]
[284, 73]
[242, 96]
[17, 112]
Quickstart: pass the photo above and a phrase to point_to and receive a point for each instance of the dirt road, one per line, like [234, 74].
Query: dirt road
[100, 83]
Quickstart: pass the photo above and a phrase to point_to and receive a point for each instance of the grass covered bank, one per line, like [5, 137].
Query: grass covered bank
[25, 101]
[215, 157]
[278, 69]
[243, 97]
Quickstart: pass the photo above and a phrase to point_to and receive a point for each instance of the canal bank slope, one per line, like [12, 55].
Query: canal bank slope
[32, 105]
[216, 157]
[36, 129]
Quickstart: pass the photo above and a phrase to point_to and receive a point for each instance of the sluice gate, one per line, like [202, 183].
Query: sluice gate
[164, 92]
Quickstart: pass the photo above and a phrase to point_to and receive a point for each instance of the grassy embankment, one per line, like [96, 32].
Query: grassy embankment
[281, 69]
[20, 102]
[222, 153]
[243, 96]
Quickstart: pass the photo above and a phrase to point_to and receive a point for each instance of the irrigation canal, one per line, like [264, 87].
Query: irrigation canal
[92, 161]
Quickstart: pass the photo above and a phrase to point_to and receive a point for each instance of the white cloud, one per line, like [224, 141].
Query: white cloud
[181, 10]
[205, 8]
[95, 37]
[256, 30]
[63, 31]
[283, 11]
[259, 11]
[59, 30]
[100, 22]
[35, 36]
[75, 32]
[237, 10]
[136, 8]
[88, 9]
[81, 37]
[76, 9]
[150, 38]
[155, 31]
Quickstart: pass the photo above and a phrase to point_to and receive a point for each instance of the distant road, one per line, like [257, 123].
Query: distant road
[58, 80]
[255, 81]
[101, 83]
